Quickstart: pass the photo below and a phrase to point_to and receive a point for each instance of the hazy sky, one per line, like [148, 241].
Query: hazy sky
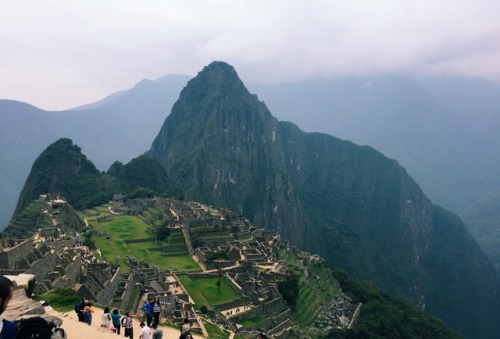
[61, 54]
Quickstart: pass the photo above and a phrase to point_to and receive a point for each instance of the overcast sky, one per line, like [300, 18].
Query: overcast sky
[62, 54]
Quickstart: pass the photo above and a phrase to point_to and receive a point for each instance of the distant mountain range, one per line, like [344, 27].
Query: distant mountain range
[120, 130]
[444, 132]
[352, 205]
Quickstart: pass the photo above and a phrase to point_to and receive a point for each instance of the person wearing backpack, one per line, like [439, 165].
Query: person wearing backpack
[128, 323]
[7, 328]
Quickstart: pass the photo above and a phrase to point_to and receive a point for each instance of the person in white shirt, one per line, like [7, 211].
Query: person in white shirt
[106, 319]
[145, 331]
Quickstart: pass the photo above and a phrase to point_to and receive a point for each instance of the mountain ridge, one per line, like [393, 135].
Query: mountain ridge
[350, 204]
[288, 190]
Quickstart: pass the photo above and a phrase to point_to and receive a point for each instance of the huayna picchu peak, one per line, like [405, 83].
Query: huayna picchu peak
[349, 204]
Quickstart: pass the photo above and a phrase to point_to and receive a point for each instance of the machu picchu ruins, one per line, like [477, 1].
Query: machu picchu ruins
[223, 244]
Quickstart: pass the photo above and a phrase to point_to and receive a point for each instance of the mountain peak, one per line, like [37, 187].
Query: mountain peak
[214, 108]
[219, 67]
[218, 75]
[60, 163]
[350, 204]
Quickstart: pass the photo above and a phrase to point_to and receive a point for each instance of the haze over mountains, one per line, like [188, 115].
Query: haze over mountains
[120, 130]
[443, 131]
[352, 205]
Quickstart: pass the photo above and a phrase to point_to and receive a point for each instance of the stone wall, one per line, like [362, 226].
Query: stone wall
[43, 266]
[10, 256]
[283, 316]
[232, 304]
[280, 327]
[274, 306]
[108, 293]
[202, 275]
[73, 271]
[127, 292]
[89, 289]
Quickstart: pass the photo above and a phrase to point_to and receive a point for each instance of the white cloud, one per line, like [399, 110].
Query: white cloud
[61, 54]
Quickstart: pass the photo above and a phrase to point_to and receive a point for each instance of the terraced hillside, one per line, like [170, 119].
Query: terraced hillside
[118, 236]
[40, 214]
[215, 267]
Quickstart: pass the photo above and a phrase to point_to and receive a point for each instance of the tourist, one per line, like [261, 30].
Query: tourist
[148, 311]
[79, 310]
[186, 326]
[157, 332]
[129, 326]
[87, 312]
[116, 320]
[145, 331]
[106, 319]
[7, 328]
[156, 310]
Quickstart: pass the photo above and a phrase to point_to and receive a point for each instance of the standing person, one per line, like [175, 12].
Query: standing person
[186, 326]
[79, 310]
[148, 311]
[87, 312]
[129, 326]
[105, 319]
[7, 328]
[145, 331]
[157, 332]
[116, 320]
[156, 310]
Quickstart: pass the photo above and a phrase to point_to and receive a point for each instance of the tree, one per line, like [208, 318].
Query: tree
[162, 232]
[289, 289]
[218, 258]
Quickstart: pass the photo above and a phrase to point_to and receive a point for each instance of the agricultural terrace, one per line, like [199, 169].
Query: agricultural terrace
[204, 291]
[118, 236]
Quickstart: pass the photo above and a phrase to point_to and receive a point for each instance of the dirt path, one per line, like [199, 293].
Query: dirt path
[77, 330]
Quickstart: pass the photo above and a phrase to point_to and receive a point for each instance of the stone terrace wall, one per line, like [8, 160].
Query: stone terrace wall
[10, 256]
[280, 327]
[233, 304]
[43, 266]
[72, 273]
[127, 293]
[108, 293]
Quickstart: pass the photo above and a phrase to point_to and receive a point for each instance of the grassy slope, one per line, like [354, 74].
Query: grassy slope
[121, 230]
[204, 291]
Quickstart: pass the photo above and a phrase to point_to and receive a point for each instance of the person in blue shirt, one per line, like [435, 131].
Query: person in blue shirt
[148, 311]
[116, 320]
[7, 328]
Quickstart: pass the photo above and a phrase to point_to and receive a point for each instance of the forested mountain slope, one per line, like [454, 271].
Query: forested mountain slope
[350, 204]
[119, 128]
